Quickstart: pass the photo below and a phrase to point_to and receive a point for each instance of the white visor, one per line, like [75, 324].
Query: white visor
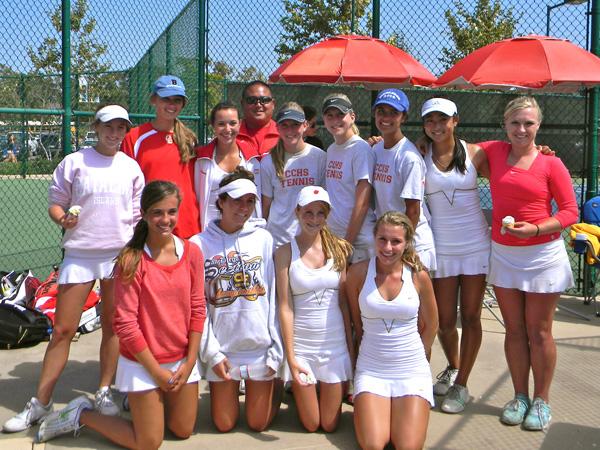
[442, 105]
[239, 188]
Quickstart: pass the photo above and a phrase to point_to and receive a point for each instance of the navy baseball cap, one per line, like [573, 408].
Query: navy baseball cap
[290, 114]
[169, 85]
[394, 98]
[339, 103]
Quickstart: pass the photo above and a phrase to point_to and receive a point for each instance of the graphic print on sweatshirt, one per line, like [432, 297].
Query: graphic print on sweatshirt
[233, 276]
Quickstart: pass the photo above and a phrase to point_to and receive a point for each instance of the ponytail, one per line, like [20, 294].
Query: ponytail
[185, 139]
[278, 158]
[459, 157]
[130, 256]
[335, 248]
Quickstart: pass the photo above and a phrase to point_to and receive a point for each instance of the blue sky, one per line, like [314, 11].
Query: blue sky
[244, 33]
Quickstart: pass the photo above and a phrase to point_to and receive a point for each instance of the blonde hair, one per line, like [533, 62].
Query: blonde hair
[130, 256]
[354, 127]
[185, 139]
[520, 103]
[397, 219]
[278, 152]
[334, 247]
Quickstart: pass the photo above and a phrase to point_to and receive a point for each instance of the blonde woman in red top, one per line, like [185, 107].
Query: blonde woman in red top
[529, 265]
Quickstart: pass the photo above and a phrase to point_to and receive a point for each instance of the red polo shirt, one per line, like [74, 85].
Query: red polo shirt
[261, 140]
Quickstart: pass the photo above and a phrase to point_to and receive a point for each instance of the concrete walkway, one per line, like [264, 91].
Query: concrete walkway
[575, 400]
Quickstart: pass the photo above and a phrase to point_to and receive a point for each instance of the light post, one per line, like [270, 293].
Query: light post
[550, 8]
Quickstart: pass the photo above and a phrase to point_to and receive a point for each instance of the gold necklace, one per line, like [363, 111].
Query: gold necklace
[438, 163]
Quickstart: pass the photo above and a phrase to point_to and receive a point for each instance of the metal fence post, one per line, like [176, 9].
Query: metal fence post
[375, 33]
[202, 5]
[66, 76]
[594, 99]
[168, 44]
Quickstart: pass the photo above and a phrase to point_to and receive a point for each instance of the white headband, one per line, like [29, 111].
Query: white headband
[239, 188]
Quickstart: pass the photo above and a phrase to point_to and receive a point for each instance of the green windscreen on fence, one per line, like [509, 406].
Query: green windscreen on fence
[215, 46]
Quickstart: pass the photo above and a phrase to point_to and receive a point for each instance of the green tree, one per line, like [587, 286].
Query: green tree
[85, 50]
[309, 21]
[86, 56]
[488, 22]
[9, 87]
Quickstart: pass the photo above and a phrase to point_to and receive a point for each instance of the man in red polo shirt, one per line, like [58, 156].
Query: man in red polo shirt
[258, 129]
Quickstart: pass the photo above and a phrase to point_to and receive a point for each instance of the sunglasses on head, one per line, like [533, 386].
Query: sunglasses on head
[263, 100]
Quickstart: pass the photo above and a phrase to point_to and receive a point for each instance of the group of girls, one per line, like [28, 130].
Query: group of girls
[278, 288]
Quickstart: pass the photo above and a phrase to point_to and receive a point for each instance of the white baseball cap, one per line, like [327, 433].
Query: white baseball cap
[442, 105]
[311, 194]
[239, 188]
[112, 112]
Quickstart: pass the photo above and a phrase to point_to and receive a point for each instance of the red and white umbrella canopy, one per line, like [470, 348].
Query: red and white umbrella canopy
[529, 62]
[353, 60]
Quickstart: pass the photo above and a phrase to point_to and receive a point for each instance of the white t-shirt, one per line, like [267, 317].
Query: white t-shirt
[347, 164]
[305, 168]
[400, 174]
[214, 178]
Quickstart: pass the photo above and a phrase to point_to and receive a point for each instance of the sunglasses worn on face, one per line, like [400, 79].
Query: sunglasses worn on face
[263, 100]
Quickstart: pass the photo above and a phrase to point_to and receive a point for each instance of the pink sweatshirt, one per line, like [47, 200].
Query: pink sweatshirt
[108, 189]
[160, 306]
[527, 194]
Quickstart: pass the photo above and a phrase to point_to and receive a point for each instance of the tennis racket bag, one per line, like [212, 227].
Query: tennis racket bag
[21, 326]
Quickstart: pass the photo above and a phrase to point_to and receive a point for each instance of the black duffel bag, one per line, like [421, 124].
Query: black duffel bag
[21, 326]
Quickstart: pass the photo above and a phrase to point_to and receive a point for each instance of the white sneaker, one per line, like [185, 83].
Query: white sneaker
[456, 399]
[34, 411]
[104, 403]
[445, 380]
[65, 420]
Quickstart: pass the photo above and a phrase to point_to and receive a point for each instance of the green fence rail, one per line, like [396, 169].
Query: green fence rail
[118, 49]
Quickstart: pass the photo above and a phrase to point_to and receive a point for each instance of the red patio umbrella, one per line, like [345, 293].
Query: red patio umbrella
[530, 62]
[353, 60]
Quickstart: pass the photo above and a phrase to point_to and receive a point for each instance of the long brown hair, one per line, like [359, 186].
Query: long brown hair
[397, 219]
[129, 257]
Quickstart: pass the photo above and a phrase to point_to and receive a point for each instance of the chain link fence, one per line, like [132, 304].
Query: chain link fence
[216, 46]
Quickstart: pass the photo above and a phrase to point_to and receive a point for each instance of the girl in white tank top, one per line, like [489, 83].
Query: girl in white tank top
[314, 318]
[395, 320]
[462, 245]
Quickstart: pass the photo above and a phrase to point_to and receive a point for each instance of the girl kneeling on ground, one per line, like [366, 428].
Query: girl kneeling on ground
[242, 340]
[159, 319]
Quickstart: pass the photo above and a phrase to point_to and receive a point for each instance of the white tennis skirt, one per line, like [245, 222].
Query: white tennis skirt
[428, 258]
[133, 377]
[477, 263]
[81, 267]
[384, 387]
[335, 370]
[542, 268]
